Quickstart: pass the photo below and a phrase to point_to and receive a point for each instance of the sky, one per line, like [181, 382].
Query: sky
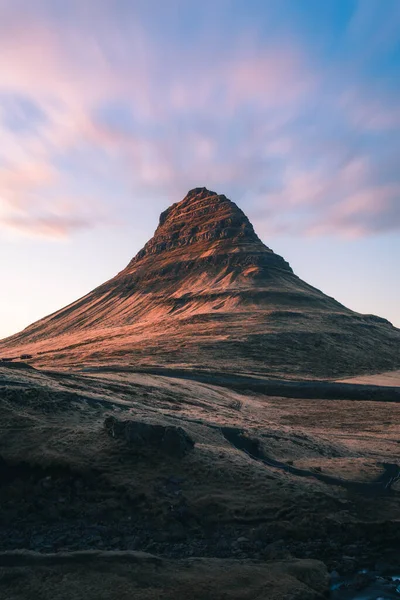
[110, 110]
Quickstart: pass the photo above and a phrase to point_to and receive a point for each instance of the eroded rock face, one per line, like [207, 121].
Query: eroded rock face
[202, 216]
[152, 437]
[203, 232]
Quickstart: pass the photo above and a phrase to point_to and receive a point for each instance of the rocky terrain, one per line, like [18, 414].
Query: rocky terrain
[239, 492]
[205, 292]
[204, 425]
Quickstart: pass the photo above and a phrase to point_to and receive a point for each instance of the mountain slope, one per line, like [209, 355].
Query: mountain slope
[205, 292]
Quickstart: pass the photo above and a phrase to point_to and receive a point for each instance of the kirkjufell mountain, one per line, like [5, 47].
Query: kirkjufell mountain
[205, 292]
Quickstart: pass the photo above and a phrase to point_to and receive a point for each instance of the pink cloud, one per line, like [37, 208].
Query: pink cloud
[372, 209]
[53, 227]
[235, 119]
[27, 208]
[346, 201]
[280, 76]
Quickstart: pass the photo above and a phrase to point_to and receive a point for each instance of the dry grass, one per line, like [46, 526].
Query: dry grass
[53, 445]
[129, 576]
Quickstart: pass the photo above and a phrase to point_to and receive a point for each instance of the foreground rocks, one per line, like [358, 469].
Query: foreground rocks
[148, 436]
[88, 491]
[367, 585]
[129, 575]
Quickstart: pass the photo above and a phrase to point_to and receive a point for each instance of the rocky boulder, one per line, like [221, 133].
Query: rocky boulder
[167, 439]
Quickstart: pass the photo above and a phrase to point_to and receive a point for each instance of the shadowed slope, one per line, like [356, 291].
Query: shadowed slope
[205, 291]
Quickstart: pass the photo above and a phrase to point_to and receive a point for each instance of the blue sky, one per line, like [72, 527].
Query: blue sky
[110, 110]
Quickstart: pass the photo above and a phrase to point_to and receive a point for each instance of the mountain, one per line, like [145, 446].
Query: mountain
[205, 292]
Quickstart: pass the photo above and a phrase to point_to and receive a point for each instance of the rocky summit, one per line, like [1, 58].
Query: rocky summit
[207, 228]
[205, 292]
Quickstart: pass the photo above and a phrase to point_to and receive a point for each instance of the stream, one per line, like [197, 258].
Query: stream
[252, 448]
[365, 585]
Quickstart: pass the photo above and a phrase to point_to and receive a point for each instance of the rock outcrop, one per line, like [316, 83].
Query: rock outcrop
[150, 437]
[206, 292]
[204, 218]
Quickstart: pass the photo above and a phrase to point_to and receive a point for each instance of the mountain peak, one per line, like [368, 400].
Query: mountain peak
[204, 220]
[203, 205]
[193, 196]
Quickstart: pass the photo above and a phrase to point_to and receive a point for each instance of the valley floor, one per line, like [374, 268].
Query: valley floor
[285, 484]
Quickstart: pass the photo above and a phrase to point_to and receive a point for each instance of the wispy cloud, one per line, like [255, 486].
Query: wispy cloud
[101, 92]
[52, 227]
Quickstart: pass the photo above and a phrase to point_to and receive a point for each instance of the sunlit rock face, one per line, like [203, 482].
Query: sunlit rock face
[204, 234]
[206, 292]
[206, 221]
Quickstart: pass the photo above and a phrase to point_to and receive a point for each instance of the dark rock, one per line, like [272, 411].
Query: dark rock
[334, 575]
[205, 217]
[176, 533]
[362, 580]
[166, 438]
[276, 551]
